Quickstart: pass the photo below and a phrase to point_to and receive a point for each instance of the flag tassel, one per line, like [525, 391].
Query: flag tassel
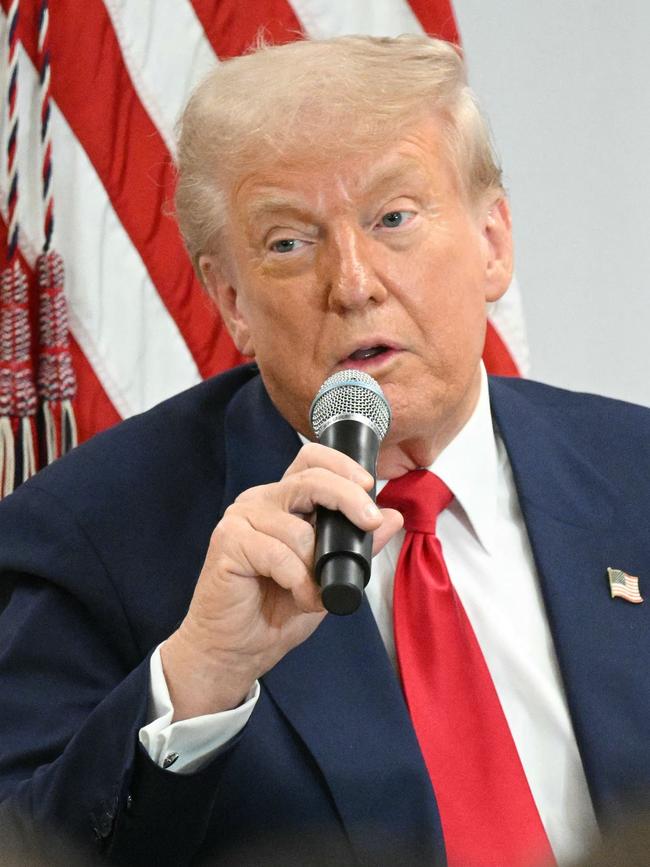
[56, 379]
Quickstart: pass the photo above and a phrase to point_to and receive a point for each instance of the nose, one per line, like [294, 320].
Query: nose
[350, 274]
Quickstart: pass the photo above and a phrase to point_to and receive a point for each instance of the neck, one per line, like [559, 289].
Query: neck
[401, 455]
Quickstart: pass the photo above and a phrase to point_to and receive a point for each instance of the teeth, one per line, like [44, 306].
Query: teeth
[363, 354]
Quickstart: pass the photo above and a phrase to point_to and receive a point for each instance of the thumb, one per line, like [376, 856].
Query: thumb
[391, 524]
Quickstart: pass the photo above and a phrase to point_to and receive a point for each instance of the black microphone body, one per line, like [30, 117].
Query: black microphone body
[343, 550]
[350, 414]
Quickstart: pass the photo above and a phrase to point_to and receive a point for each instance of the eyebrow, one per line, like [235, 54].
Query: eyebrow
[407, 169]
[279, 203]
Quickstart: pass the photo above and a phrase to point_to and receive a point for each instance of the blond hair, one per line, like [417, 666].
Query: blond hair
[330, 97]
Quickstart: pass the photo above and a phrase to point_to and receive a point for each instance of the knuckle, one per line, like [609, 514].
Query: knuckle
[249, 494]
[230, 532]
[311, 450]
[304, 478]
[227, 525]
[231, 516]
[318, 474]
[223, 564]
[306, 541]
[307, 536]
[217, 535]
[281, 556]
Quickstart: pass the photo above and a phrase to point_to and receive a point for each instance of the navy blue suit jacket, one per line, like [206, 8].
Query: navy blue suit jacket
[103, 550]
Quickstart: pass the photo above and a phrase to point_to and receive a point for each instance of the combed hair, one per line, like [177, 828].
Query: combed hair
[330, 97]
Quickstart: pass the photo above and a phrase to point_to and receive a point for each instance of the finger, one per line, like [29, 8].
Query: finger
[301, 492]
[392, 523]
[282, 566]
[294, 532]
[251, 553]
[317, 455]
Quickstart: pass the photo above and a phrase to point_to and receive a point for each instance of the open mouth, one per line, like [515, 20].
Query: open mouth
[368, 352]
[371, 358]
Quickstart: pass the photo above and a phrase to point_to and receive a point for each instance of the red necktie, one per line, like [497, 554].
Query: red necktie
[488, 814]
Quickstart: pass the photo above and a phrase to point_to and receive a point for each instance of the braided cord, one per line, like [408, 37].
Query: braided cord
[12, 141]
[45, 132]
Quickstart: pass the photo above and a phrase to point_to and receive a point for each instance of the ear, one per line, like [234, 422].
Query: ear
[497, 233]
[224, 294]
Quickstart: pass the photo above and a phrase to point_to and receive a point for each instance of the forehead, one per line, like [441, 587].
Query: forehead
[419, 159]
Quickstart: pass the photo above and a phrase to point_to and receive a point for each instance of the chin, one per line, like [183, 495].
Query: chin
[408, 426]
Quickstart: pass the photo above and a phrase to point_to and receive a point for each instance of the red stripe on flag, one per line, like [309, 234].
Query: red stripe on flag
[232, 27]
[496, 357]
[437, 18]
[91, 86]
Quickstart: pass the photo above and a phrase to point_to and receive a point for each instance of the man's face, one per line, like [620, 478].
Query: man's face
[377, 263]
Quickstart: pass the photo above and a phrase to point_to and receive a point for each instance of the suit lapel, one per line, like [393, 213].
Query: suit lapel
[338, 690]
[260, 444]
[573, 517]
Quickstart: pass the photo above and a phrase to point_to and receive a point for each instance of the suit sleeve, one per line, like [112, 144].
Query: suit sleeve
[74, 687]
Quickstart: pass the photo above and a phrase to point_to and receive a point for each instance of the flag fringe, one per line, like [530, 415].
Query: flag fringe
[51, 446]
[69, 434]
[7, 457]
[29, 453]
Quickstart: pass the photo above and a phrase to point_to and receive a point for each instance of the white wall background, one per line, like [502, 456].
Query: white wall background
[566, 84]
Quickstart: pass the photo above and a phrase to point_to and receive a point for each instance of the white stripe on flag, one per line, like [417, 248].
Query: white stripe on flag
[324, 18]
[110, 294]
[166, 52]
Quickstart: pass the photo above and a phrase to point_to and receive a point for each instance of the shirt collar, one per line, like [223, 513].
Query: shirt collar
[469, 466]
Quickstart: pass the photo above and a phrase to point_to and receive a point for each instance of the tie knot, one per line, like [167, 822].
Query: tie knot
[420, 496]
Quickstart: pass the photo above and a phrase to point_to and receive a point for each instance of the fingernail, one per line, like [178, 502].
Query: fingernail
[372, 511]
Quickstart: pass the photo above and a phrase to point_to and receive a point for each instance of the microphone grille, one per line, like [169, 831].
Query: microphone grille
[346, 393]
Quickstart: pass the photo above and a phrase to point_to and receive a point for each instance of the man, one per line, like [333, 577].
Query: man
[174, 692]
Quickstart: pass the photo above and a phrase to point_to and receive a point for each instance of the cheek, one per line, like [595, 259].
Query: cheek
[284, 333]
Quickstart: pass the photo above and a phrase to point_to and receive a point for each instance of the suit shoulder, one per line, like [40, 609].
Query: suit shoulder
[553, 397]
[614, 432]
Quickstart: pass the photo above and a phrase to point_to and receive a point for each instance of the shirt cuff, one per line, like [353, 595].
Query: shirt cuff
[188, 745]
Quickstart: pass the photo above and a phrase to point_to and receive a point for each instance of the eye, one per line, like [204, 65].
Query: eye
[286, 245]
[395, 219]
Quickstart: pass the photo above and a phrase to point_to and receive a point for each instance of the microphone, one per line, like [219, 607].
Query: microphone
[351, 414]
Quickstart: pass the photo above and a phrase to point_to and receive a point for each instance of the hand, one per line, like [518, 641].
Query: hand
[256, 598]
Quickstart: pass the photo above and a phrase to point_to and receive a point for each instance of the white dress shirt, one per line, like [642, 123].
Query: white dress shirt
[488, 556]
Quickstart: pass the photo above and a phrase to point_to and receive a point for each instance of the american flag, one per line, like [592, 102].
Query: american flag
[141, 326]
[623, 585]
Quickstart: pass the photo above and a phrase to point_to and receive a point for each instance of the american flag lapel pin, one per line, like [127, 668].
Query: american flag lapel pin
[623, 585]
